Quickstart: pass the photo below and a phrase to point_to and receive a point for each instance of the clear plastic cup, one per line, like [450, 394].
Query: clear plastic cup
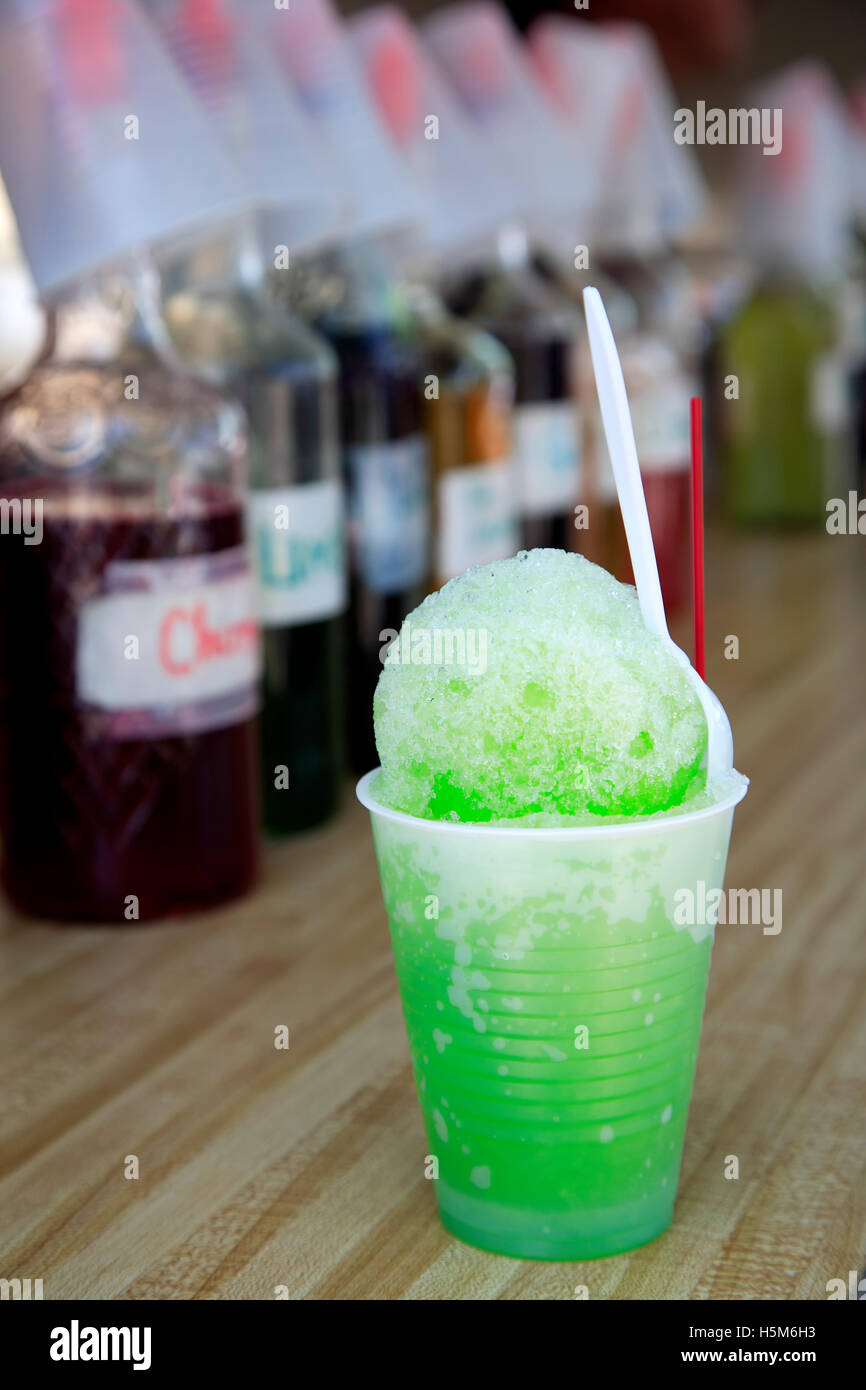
[553, 1005]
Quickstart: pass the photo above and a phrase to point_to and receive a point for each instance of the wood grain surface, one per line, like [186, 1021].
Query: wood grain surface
[304, 1168]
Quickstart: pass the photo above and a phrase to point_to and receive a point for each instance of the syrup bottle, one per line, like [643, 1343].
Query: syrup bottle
[128, 645]
[227, 327]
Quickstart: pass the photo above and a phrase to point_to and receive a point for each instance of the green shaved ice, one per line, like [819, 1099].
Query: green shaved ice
[531, 688]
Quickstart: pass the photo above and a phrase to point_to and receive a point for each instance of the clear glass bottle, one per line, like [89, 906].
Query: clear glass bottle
[350, 296]
[225, 327]
[608, 86]
[541, 330]
[468, 399]
[469, 381]
[658, 351]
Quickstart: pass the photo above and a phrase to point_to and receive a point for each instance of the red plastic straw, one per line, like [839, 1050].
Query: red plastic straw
[697, 499]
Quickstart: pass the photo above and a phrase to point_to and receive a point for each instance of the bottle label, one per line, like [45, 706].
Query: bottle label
[829, 401]
[477, 517]
[547, 443]
[660, 417]
[661, 427]
[389, 513]
[298, 547]
[170, 647]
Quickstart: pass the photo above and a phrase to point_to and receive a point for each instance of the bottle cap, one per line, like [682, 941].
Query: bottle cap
[656, 164]
[90, 110]
[795, 206]
[608, 83]
[482, 54]
[466, 194]
[313, 51]
[273, 145]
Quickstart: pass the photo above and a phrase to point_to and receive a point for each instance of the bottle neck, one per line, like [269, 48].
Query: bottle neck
[110, 314]
[223, 312]
[512, 248]
[230, 259]
[354, 287]
[791, 273]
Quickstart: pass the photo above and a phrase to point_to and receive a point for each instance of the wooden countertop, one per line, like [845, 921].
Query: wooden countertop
[304, 1168]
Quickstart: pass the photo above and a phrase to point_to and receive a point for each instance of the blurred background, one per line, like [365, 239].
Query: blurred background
[291, 333]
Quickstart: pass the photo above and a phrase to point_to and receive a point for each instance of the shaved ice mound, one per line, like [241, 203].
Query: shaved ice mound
[530, 688]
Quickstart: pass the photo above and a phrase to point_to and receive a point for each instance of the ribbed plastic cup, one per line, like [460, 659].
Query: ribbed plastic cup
[553, 1004]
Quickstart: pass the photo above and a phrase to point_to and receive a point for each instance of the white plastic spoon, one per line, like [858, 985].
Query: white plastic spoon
[623, 454]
